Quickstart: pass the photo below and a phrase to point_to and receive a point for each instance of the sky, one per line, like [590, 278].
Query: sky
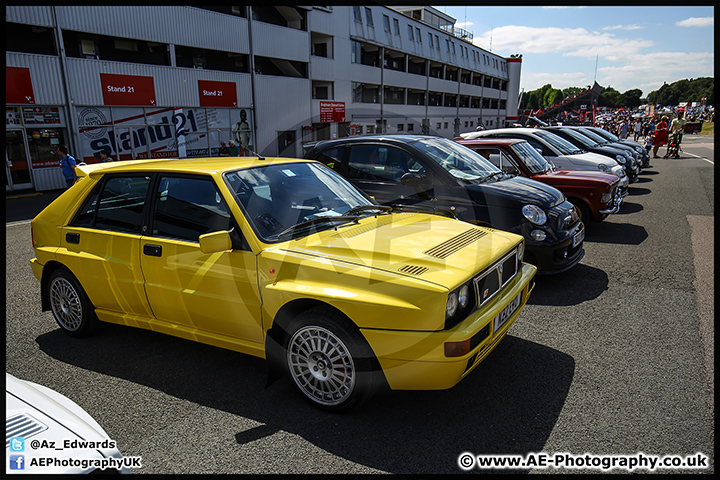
[620, 47]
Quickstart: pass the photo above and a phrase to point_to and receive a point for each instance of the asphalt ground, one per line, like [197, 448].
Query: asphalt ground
[613, 357]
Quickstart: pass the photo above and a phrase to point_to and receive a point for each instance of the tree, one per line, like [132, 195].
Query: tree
[609, 98]
[571, 91]
[631, 98]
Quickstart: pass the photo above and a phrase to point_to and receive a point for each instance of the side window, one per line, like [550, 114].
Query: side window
[498, 158]
[332, 157]
[121, 204]
[379, 163]
[85, 217]
[546, 152]
[186, 208]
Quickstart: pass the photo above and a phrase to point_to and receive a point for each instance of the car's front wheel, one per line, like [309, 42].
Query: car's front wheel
[70, 305]
[329, 361]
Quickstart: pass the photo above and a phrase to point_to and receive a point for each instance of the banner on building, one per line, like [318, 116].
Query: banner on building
[332, 112]
[217, 94]
[18, 86]
[128, 90]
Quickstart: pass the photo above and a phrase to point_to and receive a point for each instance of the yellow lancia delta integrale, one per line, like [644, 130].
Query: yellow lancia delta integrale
[285, 260]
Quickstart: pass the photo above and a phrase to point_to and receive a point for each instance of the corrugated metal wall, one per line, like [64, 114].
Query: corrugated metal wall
[172, 24]
[45, 73]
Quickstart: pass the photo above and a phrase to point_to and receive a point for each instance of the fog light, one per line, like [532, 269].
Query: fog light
[457, 349]
[605, 197]
[538, 235]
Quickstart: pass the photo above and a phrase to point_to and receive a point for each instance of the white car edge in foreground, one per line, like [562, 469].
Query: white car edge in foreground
[57, 435]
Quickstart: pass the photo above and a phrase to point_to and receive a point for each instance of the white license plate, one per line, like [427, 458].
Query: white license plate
[578, 237]
[507, 312]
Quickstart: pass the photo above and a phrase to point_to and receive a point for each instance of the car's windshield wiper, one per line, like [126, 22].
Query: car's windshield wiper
[362, 208]
[397, 208]
[317, 220]
[488, 177]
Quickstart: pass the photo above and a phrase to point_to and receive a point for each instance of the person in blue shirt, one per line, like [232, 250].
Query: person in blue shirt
[68, 163]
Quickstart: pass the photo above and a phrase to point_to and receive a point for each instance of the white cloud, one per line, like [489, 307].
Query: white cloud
[577, 42]
[624, 27]
[697, 22]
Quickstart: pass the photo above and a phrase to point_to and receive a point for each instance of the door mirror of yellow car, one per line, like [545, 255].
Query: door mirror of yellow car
[215, 242]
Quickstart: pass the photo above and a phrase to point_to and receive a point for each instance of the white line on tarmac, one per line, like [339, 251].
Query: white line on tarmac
[698, 156]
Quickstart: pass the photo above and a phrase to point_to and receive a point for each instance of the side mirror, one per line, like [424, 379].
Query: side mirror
[215, 242]
[412, 179]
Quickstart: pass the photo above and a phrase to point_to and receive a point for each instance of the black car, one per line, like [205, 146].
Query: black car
[624, 157]
[439, 174]
[612, 138]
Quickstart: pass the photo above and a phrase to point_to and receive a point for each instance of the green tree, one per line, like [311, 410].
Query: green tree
[609, 98]
[631, 98]
[571, 91]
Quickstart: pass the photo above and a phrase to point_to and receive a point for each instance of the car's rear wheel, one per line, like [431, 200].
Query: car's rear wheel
[70, 304]
[329, 361]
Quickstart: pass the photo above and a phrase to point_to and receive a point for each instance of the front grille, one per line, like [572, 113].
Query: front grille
[456, 243]
[489, 282]
[22, 425]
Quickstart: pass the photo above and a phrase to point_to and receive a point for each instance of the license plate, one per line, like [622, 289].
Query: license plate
[578, 238]
[507, 312]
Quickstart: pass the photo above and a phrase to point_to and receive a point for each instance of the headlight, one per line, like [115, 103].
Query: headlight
[464, 295]
[606, 197]
[618, 171]
[538, 235]
[535, 214]
[603, 168]
[452, 304]
[520, 252]
[620, 159]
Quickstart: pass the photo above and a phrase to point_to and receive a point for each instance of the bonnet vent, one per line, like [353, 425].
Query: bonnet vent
[415, 270]
[455, 244]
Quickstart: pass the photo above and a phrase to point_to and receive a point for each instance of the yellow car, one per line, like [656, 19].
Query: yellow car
[285, 260]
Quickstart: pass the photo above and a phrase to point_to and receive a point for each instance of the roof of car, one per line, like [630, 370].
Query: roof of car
[489, 141]
[390, 138]
[185, 165]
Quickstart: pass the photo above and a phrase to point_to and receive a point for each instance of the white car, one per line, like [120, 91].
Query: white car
[557, 150]
[46, 432]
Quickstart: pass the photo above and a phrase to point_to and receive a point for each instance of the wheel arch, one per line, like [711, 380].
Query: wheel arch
[48, 270]
[277, 336]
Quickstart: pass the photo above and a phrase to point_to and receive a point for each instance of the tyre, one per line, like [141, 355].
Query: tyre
[70, 304]
[329, 361]
[583, 211]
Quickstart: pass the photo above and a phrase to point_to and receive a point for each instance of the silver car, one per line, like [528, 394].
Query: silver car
[557, 150]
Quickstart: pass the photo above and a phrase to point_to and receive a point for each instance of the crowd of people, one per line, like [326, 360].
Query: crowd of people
[654, 130]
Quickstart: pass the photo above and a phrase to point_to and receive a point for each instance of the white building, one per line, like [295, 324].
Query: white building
[169, 81]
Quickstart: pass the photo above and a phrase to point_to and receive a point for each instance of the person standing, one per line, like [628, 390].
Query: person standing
[223, 151]
[105, 156]
[638, 129]
[233, 149]
[677, 127]
[661, 135]
[68, 164]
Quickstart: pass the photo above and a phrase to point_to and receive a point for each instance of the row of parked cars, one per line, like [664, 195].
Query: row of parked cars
[375, 261]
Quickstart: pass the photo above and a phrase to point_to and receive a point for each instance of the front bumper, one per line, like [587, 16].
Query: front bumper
[614, 205]
[416, 360]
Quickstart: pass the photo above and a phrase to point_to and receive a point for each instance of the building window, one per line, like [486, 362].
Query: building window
[188, 57]
[400, 127]
[386, 23]
[368, 16]
[418, 35]
[356, 14]
[365, 93]
[410, 33]
[394, 96]
[29, 39]
[411, 127]
[396, 24]
[284, 16]
[437, 42]
[365, 54]
[280, 68]
[102, 47]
